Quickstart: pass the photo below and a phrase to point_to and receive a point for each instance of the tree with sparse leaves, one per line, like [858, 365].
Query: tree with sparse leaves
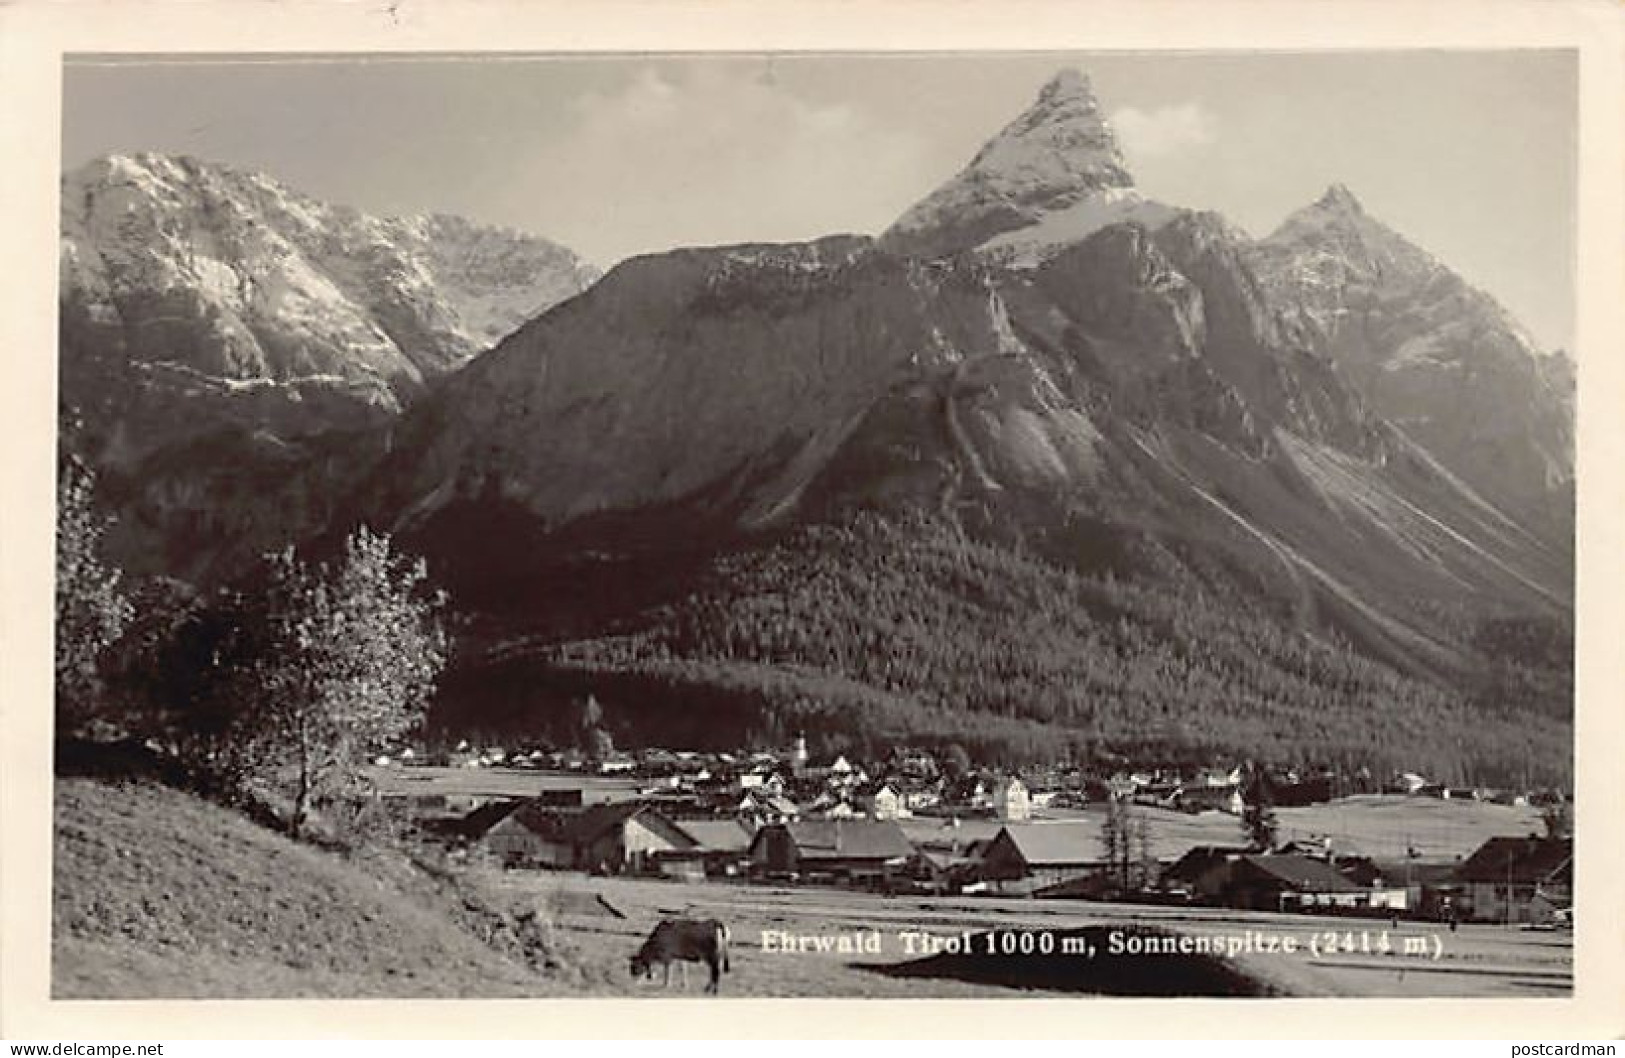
[1116, 838]
[351, 658]
[1258, 820]
[1126, 837]
[592, 736]
[1146, 867]
[92, 610]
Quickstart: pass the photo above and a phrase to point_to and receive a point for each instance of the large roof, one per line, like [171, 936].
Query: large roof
[1301, 873]
[544, 820]
[840, 839]
[1058, 843]
[1416, 872]
[718, 835]
[1524, 860]
[594, 822]
[1200, 858]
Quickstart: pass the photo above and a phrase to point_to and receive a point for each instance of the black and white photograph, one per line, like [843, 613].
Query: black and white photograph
[979, 524]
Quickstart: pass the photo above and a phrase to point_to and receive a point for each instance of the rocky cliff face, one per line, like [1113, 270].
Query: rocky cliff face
[216, 327]
[230, 276]
[1438, 359]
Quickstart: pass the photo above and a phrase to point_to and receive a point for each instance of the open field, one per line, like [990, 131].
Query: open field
[500, 782]
[1383, 825]
[1474, 961]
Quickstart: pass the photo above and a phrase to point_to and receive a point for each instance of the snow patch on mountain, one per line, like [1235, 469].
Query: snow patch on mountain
[1030, 246]
[1055, 172]
[242, 277]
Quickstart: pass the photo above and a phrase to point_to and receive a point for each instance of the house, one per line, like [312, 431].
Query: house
[945, 867]
[757, 807]
[1208, 797]
[1157, 793]
[884, 801]
[780, 809]
[922, 793]
[717, 847]
[1381, 891]
[1430, 886]
[1270, 882]
[840, 776]
[1010, 800]
[762, 782]
[1218, 777]
[838, 848]
[1502, 878]
[1028, 857]
[656, 761]
[833, 804]
[1234, 876]
[1200, 872]
[570, 759]
[520, 833]
[623, 837]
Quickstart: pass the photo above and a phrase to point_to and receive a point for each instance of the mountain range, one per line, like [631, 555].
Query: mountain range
[1047, 464]
[217, 326]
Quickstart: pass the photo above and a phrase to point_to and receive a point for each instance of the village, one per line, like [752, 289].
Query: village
[929, 824]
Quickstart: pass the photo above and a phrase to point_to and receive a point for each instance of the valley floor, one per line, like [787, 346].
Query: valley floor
[1476, 960]
[160, 895]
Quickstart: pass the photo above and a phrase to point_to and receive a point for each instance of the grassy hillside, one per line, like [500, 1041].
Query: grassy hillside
[160, 895]
[877, 631]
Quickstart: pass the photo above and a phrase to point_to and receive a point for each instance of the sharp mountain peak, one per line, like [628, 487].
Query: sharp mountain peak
[1339, 197]
[1055, 171]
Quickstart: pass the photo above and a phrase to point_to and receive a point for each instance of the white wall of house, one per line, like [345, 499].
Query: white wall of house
[1010, 801]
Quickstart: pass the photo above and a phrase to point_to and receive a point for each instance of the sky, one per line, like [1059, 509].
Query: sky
[1472, 155]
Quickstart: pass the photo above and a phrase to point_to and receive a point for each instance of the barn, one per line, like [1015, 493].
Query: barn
[1503, 877]
[520, 833]
[1268, 882]
[1028, 857]
[1200, 872]
[624, 837]
[720, 847]
[847, 849]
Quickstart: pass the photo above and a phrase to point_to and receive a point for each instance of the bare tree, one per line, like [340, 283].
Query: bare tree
[1116, 839]
[1258, 821]
[1145, 857]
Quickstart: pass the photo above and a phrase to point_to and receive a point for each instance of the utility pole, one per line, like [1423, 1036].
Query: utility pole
[1508, 916]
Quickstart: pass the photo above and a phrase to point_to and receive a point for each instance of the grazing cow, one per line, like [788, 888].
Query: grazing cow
[684, 940]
